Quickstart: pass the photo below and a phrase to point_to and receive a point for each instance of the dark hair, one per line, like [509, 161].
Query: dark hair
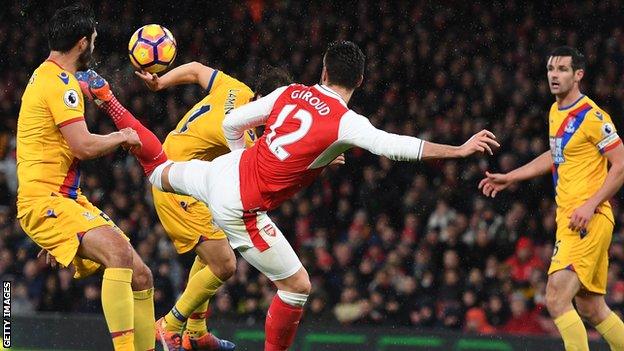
[344, 62]
[578, 60]
[271, 78]
[69, 25]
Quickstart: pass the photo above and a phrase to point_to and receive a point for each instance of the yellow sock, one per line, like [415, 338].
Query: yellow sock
[196, 323]
[144, 320]
[201, 287]
[572, 331]
[612, 330]
[118, 306]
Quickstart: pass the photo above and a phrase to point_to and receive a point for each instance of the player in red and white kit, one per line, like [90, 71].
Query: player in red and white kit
[306, 129]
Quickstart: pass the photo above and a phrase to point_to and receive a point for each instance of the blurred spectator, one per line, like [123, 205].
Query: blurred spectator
[476, 322]
[524, 261]
[523, 320]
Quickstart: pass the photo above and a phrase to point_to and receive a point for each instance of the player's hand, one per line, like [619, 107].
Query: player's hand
[579, 219]
[49, 258]
[151, 80]
[132, 141]
[483, 141]
[340, 160]
[493, 183]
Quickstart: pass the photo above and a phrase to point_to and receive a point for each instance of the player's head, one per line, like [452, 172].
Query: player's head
[271, 78]
[73, 28]
[566, 67]
[343, 65]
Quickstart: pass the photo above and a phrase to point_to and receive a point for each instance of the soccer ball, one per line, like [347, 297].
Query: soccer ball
[152, 48]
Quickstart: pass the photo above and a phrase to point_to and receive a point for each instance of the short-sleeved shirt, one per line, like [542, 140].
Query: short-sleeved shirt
[580, 134]
[45, 164]
[199, 134]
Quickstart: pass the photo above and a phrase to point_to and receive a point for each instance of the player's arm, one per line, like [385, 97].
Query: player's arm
[493, 183]
[356, 130]
[188, 73]
[599, 130]
[248, 116]
[615, 178]
[85, 145]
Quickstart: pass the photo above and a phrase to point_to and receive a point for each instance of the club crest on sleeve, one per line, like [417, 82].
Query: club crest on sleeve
[70, 98]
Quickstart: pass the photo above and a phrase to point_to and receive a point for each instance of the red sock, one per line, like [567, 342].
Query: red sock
[281, 325]
[151, 153]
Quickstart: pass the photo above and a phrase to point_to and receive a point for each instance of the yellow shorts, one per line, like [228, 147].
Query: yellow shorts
[185, 219]
[587, 255]
[57, 224]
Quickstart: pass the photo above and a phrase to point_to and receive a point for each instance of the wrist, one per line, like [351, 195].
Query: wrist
[119, 137]
[458, 152]
[592, 202]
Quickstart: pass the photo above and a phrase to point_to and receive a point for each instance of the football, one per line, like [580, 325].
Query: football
[152, 48]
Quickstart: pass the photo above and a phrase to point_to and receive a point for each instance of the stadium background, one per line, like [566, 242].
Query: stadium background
[386, 244]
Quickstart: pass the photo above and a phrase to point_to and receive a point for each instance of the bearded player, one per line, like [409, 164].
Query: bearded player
[582, 141]
[52, 139]
[307, 128]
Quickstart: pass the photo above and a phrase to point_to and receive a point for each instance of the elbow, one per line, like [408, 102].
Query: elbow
[618, 167]
[83, 152]
[229, 127]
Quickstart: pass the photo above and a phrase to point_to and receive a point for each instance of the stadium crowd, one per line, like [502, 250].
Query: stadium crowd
[386, 243]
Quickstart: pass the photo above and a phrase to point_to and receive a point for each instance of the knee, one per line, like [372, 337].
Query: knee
[225, 269]
[119, 255]
[585, 311]
[301, 283]
[141, 277]
[592, 311]
[554, 303]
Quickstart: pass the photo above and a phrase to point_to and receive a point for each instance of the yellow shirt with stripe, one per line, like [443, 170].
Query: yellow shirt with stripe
[580, 134]
[45, 164]
[199, 134]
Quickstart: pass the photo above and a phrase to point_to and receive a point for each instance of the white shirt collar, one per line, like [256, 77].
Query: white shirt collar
[325, 90]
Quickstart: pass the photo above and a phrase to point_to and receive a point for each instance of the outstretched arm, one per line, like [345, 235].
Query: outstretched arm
[356, 130]
[496, 182]
[188, 73]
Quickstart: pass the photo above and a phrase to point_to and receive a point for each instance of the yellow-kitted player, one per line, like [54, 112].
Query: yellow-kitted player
[52, 138]
[187, 221]
[583, 141]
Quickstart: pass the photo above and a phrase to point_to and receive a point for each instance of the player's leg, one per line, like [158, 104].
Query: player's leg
[217, 256]
[280, 264]
[214, 264]
[593, 308]
[286, 310]
[561, 288]
[106, 246]
[95, 87]
[143, 294]
[188, 223]
[592, 270]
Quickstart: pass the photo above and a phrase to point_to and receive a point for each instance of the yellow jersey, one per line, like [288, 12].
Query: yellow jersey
[45, 164]
[580, 134]
[199, 134]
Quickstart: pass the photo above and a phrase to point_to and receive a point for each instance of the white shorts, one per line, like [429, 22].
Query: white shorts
[253, 234]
